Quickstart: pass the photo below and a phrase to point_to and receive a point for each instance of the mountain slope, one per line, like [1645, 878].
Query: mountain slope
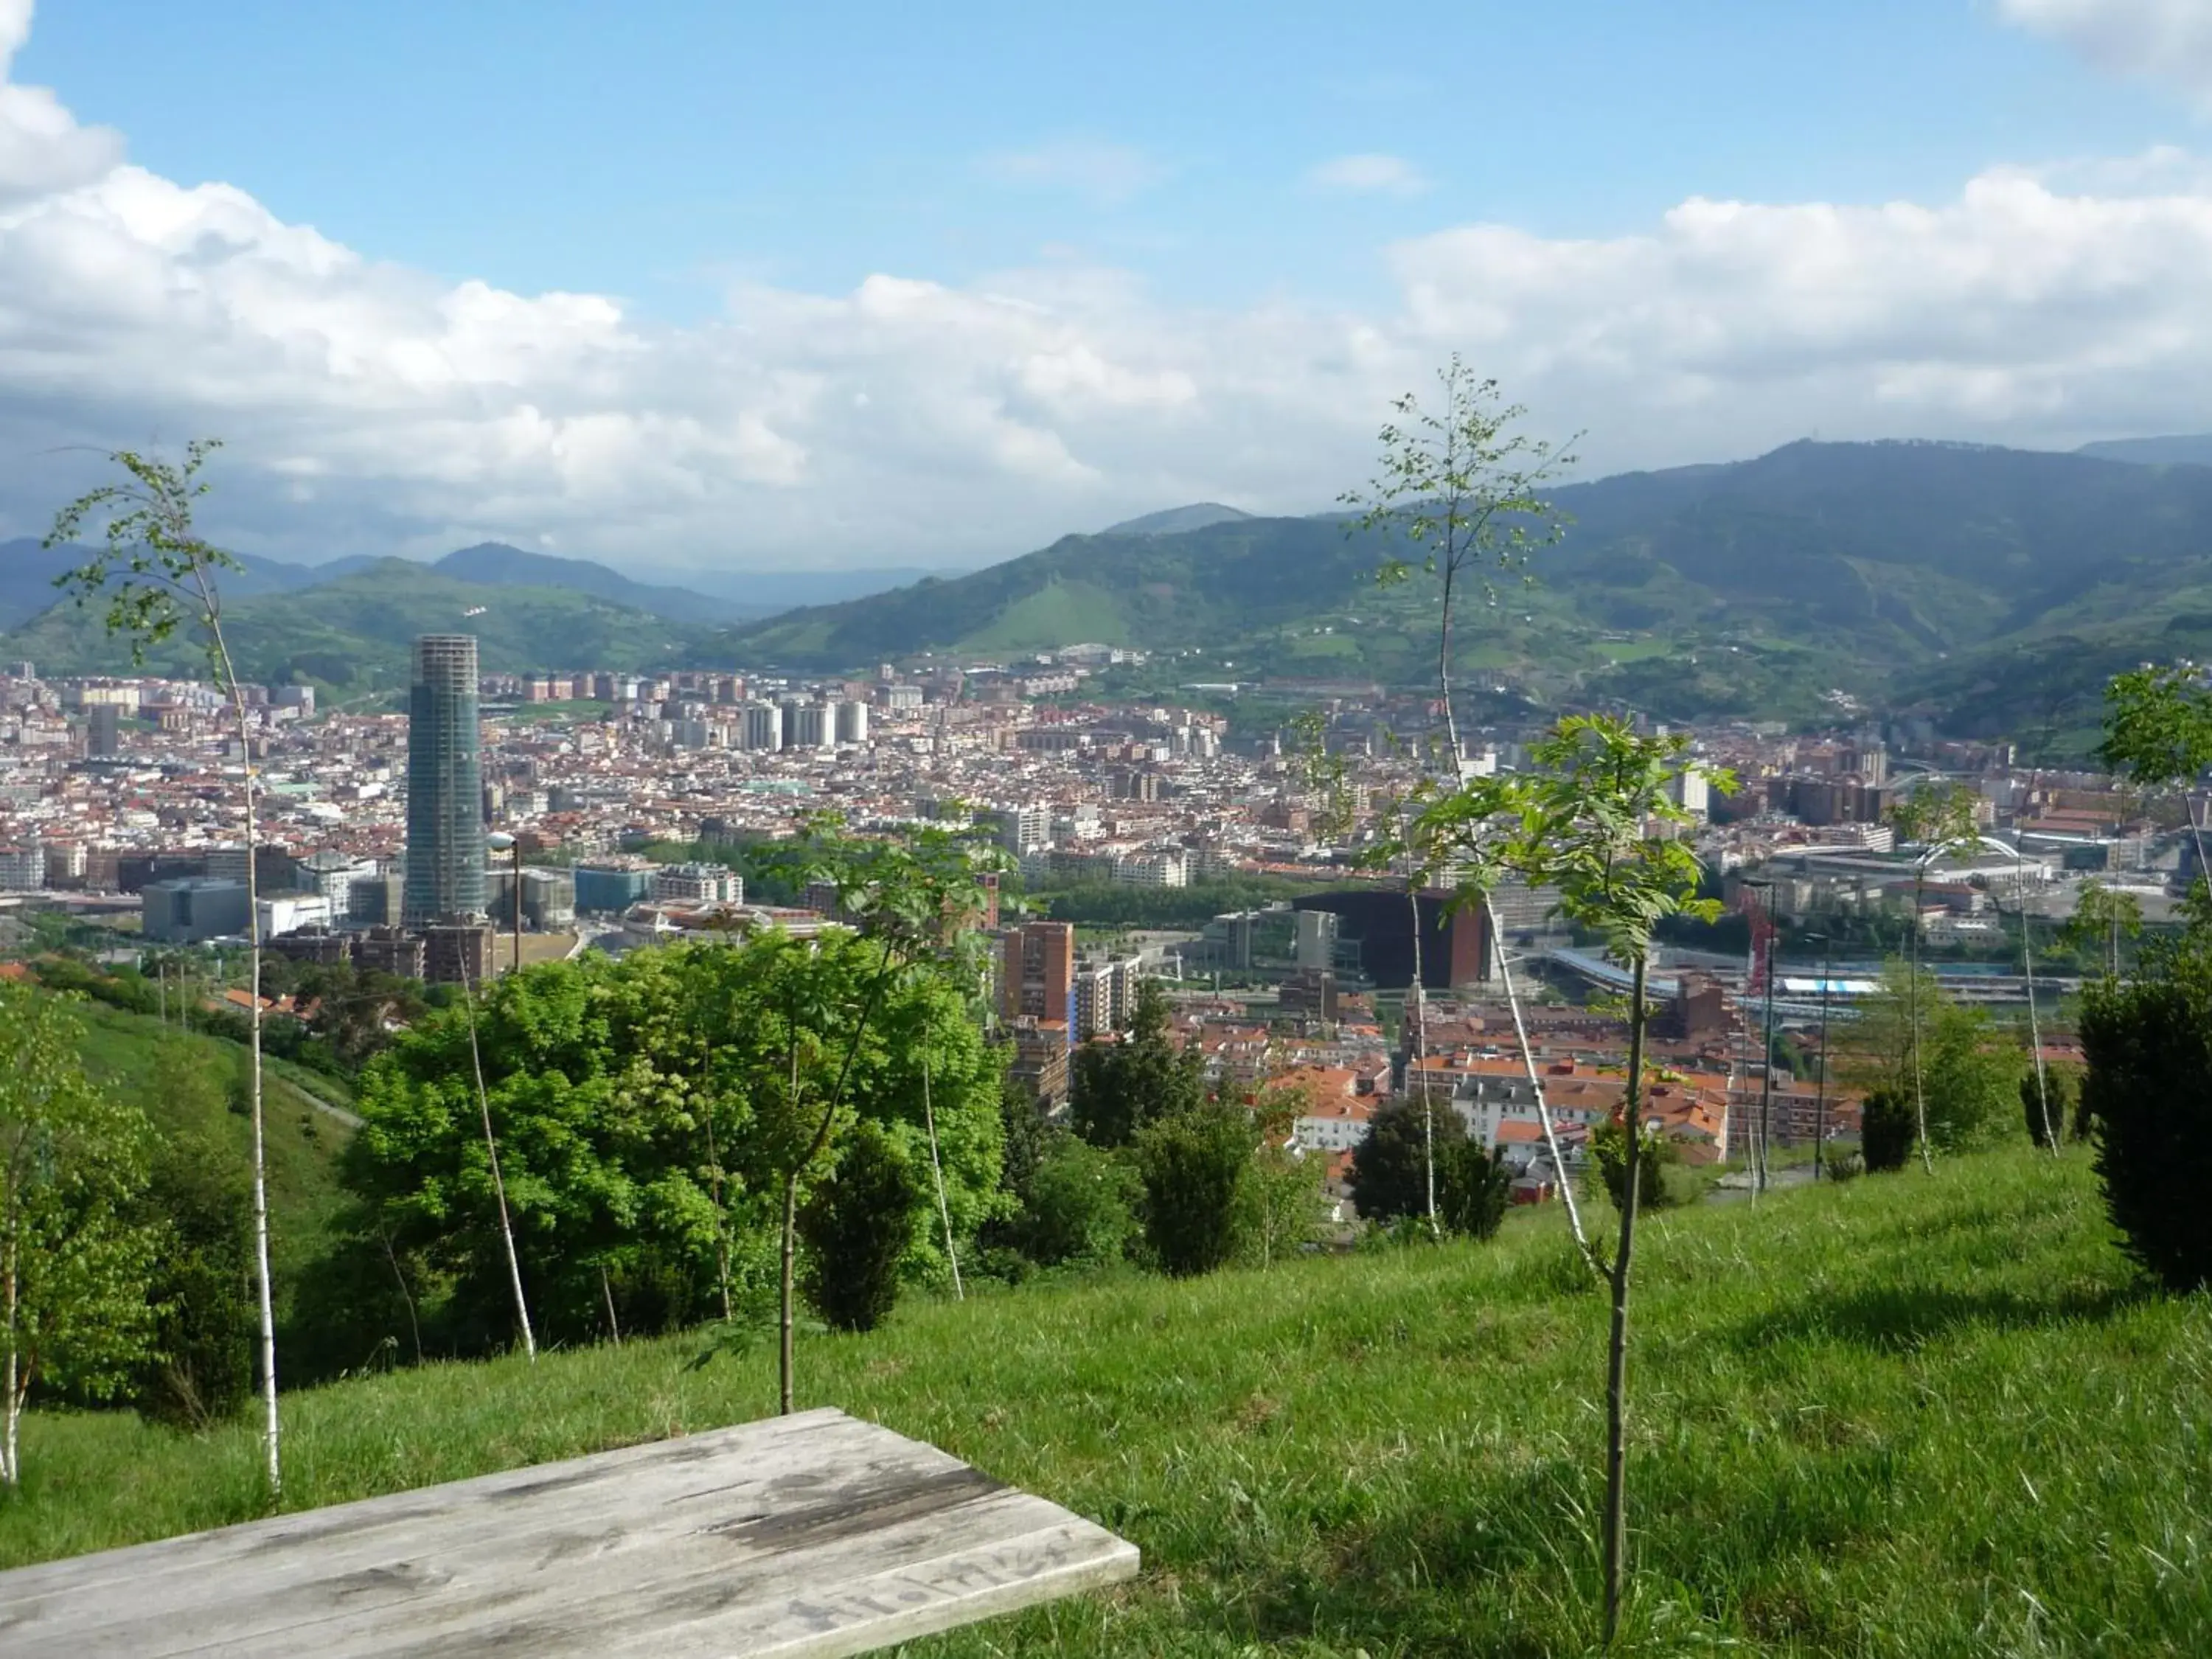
[1176, 519]
[2187, 449]
[28, 570]
[497, 564]
[1709, 589]
[355, 631]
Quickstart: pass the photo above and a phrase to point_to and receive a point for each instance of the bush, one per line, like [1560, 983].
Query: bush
[1886, 1131]
[1390, 1170]
[1609, 1149]
[1081, 1206]
[201, 1368]
[1473, 1189]
[2149, 1091]
[857, 1226]
[2058, 1086]
[1193, 1165]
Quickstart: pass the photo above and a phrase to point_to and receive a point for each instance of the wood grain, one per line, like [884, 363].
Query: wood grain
[815, 1535]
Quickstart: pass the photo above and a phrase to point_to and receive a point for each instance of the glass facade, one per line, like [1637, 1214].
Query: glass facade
[445, 783]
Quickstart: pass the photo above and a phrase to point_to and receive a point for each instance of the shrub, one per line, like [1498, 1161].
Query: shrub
[857, 1226]
[201, 1368]
[1473, 1189]
[1193, 1165]
[1609, 1149]
[1886, 1131]
[1081, 1206]
[1390, 1170]
[2058, 1086]
[2149, 1091]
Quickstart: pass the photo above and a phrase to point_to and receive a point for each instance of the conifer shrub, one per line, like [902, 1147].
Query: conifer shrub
[1886, 1131]
[857, 1226]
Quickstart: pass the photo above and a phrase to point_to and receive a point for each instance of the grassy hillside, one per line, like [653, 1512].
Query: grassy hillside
[1892, 573]
[1907, 1416]
[122, 1053]
[355, 631]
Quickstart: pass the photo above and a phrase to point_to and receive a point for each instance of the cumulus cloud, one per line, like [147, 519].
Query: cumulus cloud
[369, 407]
[1368, 175]
[1107, 173]
[2165, 40]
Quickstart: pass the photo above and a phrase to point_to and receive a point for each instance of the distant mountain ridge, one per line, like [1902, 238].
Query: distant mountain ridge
[1770, 584]
[1176, 519]
[2189, 449]
[497, 564]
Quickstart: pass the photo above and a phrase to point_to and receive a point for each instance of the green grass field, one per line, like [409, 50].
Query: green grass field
[1903, 1416]
[121, 1052]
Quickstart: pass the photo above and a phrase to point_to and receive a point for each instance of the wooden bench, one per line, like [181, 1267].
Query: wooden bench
[811, 1534]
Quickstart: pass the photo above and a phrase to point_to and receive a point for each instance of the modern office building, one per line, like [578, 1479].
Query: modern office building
[103, 730]
[445, 783]
[194, 908]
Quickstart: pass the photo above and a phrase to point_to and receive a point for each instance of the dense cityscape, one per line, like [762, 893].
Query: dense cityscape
[622, 804]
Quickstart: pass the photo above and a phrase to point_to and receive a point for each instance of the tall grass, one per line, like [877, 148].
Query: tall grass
[1902, 1416]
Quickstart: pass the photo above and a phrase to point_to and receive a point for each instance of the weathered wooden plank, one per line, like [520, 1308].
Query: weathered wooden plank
[813, 1535]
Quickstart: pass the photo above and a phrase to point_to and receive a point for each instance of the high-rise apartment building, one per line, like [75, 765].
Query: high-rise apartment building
[445, 783]
[1037, 973]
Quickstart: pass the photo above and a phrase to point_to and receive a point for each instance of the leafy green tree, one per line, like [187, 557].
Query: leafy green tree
[2157, 732]
[1120, 1087]
[2103, 920]
[911, 900]
[1589, 813]
[1937, 817]
[859, 1225]
[1194, 1166]
[2148, 1040]
[1944, 1057]
[75, 1261]
[1465, 489]
[156, 573]
[1278, 1203]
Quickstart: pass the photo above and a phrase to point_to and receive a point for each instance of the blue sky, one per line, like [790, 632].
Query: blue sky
[654, 150]
[741, 286]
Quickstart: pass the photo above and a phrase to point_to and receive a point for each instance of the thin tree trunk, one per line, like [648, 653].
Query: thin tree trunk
[783, 1314]
[607, 1294]
[1919, 1090]
[936, 1166]
[1616, 1368]
[11, 1467]
[2035, 1024]
[498, 1184]
[1536, 1084]
[413, 1325]
[272, 1430]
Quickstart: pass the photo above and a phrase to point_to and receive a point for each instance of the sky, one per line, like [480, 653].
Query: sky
[689, 284]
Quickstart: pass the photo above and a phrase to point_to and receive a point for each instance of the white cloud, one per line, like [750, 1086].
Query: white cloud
[2163, 39]
[372, 408]
[1368, 175]
[1107, 173]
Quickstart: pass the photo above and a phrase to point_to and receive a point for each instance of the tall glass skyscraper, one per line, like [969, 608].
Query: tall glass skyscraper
[445, 783]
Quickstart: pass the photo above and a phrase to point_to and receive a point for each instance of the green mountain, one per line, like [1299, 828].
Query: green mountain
[355, 631]
[495, 563]
[1817, 577]
[28, 570]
